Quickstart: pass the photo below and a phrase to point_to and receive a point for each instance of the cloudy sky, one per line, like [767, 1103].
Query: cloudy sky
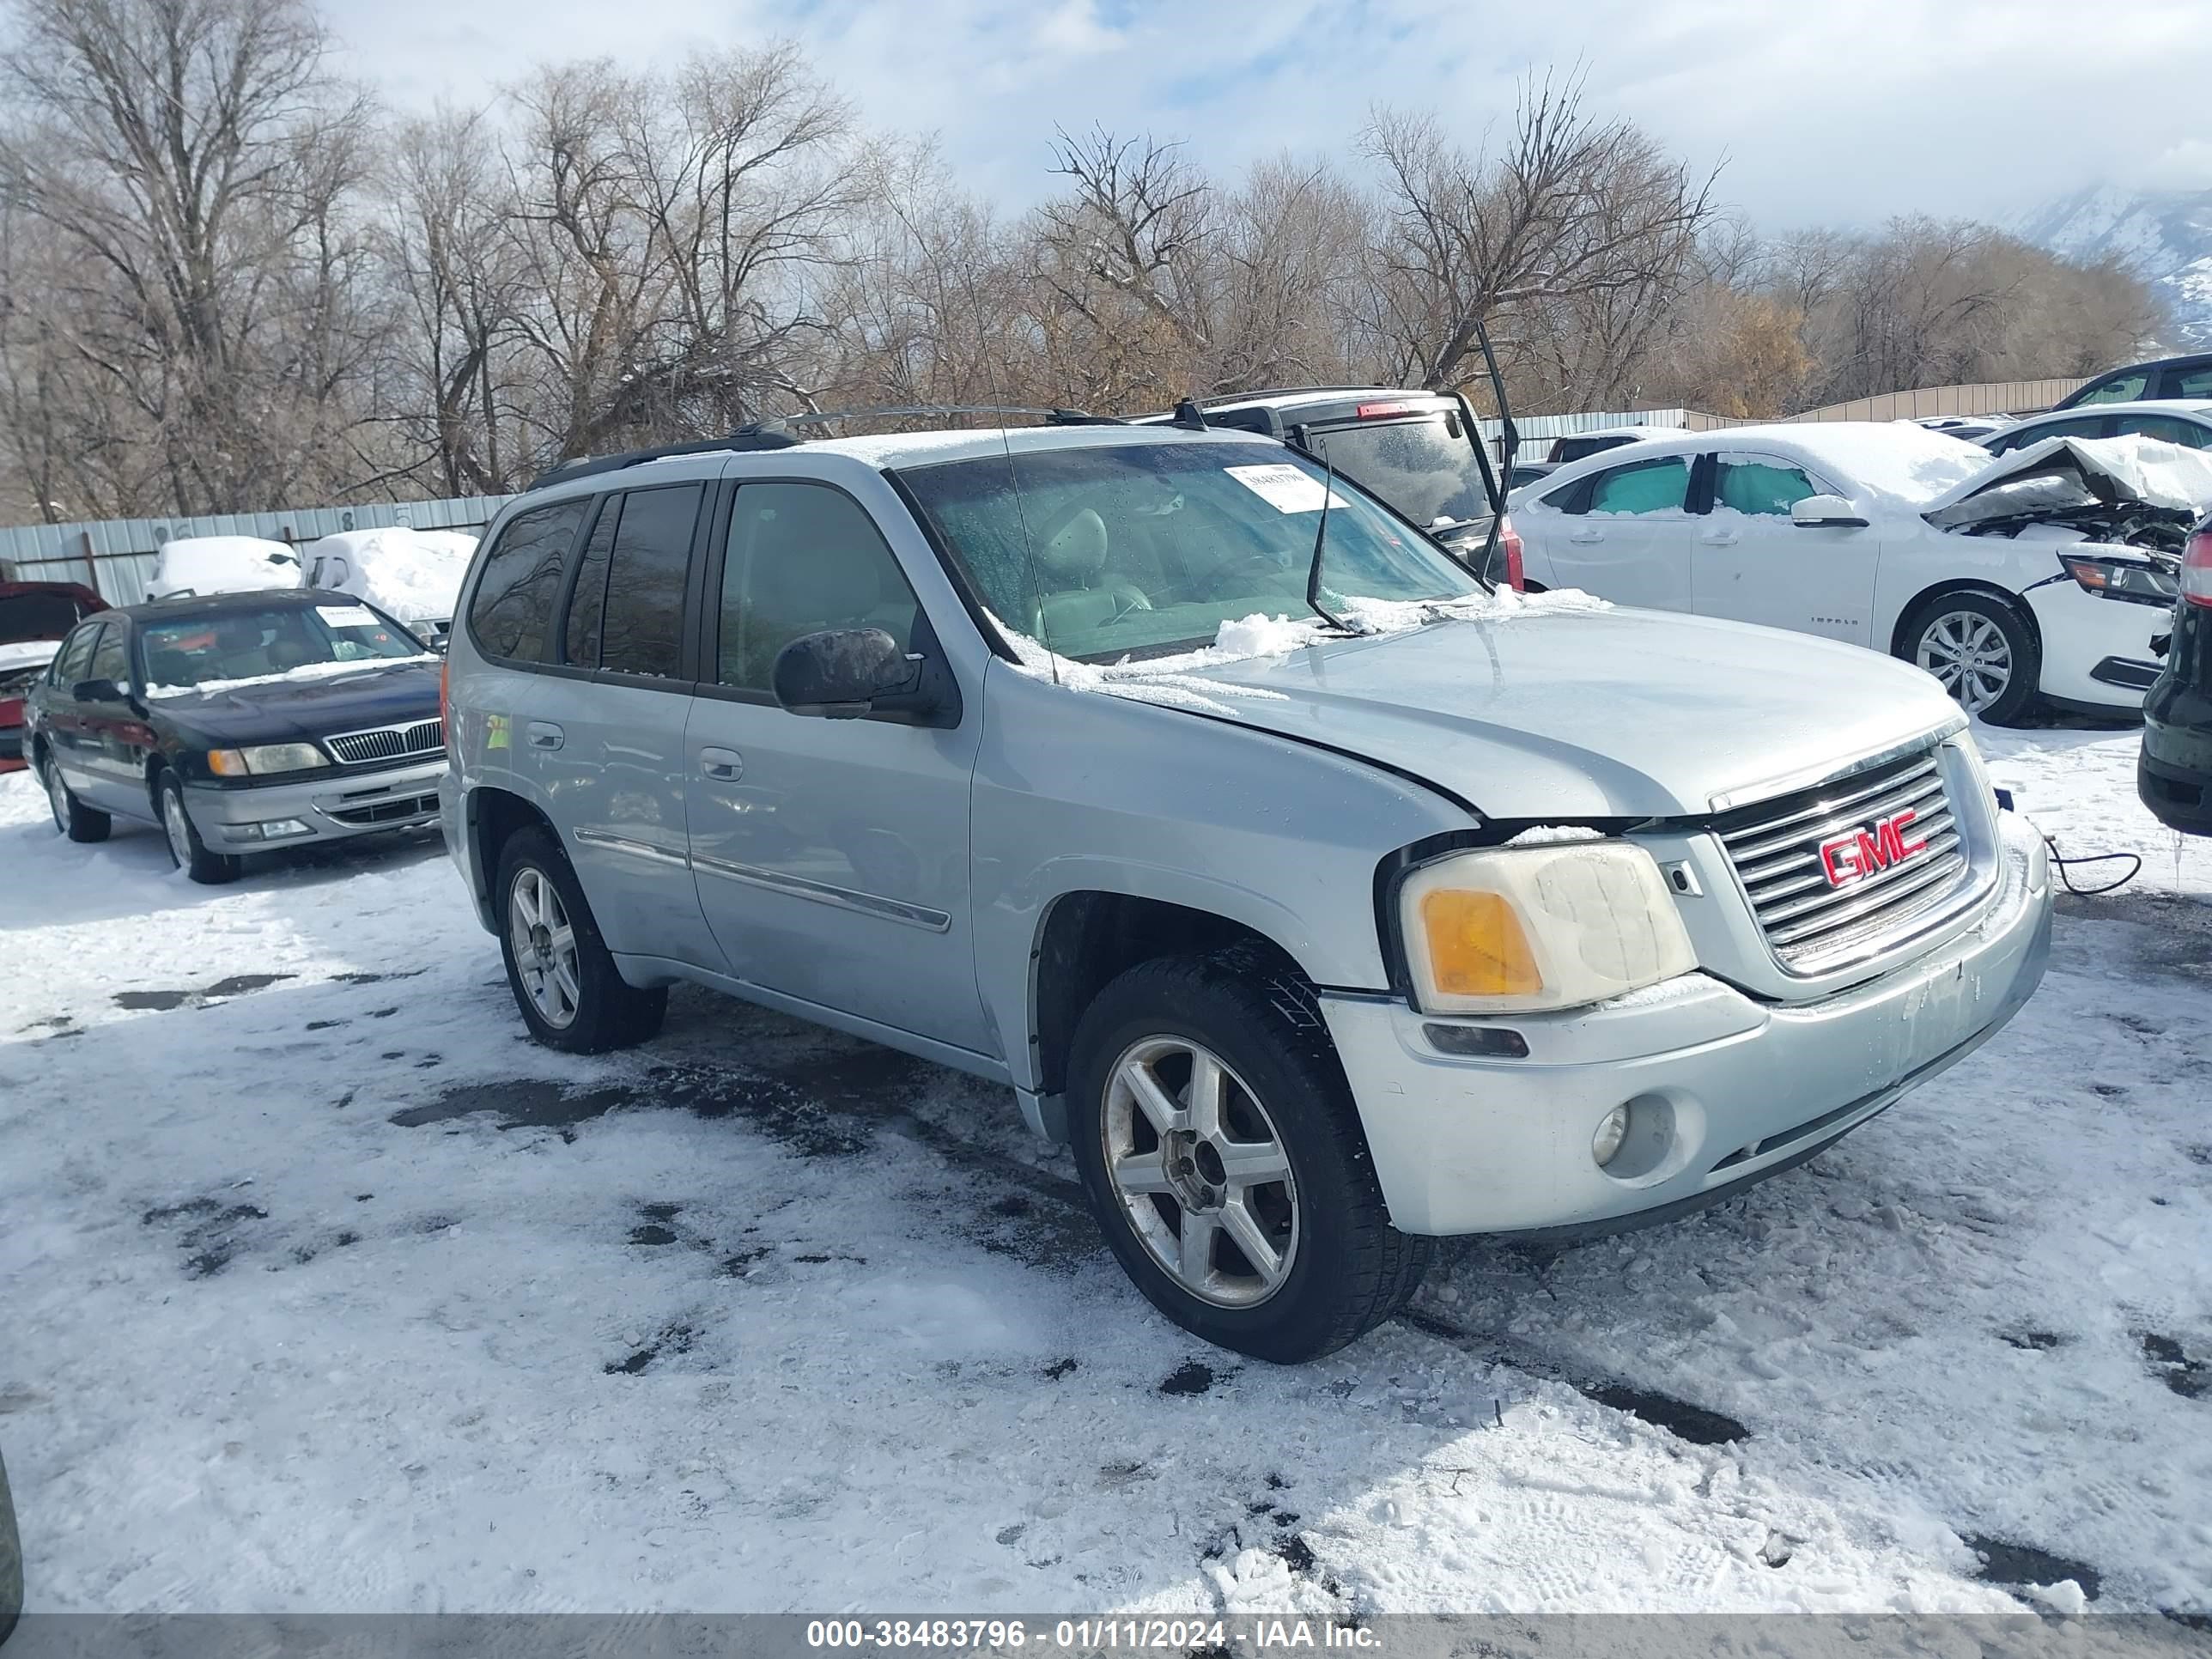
[1830, 112]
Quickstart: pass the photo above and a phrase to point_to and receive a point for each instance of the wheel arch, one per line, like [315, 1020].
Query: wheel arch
[1086, 938]
[1944, 590]
[490, 816]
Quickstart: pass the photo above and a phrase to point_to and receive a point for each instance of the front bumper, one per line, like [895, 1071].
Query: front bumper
[328, 808]
[2096, 652]
[1724, 1090]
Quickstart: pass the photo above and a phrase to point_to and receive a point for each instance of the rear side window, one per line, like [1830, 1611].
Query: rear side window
[512, 609]
[70, 662]
[2192, 383]
[642, 629]
[1657, 486]
[588, 601]
[2120, 389]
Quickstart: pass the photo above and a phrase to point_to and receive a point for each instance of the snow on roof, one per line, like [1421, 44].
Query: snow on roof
[221, 564]
[413, 574]
[927, 448]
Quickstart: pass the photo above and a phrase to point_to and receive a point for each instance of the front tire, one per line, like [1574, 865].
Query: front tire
[72, 817]
[187, 850]
[1222, 1154]
[1981, 648]
[564, 979]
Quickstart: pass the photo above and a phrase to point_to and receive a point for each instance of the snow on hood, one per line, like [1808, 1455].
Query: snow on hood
[2062, 474]
[413, 574]
[18, 654]
[221, 564]
[312, 671]
[1180, 681]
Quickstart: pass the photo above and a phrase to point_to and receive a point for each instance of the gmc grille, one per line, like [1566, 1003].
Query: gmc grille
[1811, 922]
[388, 743]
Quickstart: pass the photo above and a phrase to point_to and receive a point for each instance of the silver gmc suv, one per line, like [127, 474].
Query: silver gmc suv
[1323, 899]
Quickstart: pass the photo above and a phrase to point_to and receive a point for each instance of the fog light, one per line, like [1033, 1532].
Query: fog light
[282, 828]
[1612, 1130]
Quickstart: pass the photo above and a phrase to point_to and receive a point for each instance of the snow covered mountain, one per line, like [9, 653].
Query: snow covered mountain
[2166, 235]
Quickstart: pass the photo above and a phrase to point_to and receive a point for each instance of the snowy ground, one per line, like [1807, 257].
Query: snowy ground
[326, 1291]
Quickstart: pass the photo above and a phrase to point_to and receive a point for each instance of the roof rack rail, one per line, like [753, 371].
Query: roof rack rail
[1221, 398]
[773, 432]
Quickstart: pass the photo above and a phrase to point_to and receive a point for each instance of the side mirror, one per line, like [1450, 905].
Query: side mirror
[839, 674]
[1816, 511]
[96, 691]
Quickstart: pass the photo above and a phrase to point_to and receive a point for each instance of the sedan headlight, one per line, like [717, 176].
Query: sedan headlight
[2122, 578]
[267, 758]
[1520, 930]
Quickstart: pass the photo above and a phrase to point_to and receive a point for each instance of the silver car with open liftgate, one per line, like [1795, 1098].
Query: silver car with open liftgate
[1445, 912]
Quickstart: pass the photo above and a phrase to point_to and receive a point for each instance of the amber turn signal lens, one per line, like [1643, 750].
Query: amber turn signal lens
[227, 763]
[1476, 946]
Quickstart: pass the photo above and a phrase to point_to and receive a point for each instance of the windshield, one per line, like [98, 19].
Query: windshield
[1417, 466]
[1144, 547]
[229, 645]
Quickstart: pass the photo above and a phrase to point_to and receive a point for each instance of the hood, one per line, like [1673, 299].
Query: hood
[16, 656]
[286, 710]
[2060, 476]
[1593, 713]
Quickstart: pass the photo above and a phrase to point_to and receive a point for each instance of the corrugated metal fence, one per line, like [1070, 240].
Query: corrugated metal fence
[116, 556]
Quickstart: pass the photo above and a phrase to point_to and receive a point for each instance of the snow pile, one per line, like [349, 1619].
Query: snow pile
[1178, 681]
[309, 670]
[221, 564]
[413, 574]
[1906, 462]
[16, 656]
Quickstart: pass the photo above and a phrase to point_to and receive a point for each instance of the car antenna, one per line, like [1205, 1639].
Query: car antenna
[1320, 540]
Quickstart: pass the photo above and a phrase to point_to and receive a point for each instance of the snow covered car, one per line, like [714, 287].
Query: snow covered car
[240, 723]
[2044, 572]
[412, 574]
[1325, 899]
[1580, 446]
[221, 564]
[34, 619]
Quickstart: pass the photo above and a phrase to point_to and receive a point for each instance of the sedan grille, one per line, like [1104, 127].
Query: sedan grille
[1788, 854]
[388, 743]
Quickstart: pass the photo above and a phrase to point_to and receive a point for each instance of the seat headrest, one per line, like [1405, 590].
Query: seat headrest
[1073, 548]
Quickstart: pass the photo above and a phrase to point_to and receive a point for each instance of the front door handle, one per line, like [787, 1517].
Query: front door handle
[724, 764]
[1720, 538]
[1587, 536]
[543, 734]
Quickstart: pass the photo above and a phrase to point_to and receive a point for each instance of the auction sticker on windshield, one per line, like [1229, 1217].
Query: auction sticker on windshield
[1285, 488]
[347, 615]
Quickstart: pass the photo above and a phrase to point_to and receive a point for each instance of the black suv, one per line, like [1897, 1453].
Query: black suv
[2165, 377]
[2175, 777]
[1419, 450]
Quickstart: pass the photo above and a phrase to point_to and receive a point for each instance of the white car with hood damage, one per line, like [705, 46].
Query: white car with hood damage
[2044, 572]
[1325, 899]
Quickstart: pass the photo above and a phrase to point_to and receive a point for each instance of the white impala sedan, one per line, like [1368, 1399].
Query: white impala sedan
[2043, 572]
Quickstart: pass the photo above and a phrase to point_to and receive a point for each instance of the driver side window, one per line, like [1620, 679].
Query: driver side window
[69, 663]
[1757, 484]
[800, 558]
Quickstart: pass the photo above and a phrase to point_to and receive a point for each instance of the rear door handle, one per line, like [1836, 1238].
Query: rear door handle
[543, 734]
[724, 764]
[1587, 536]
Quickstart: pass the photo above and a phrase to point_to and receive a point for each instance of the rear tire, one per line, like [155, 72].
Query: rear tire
[1981, 648]
[564, 979]
[1284, 1266]
[187, 850]
[72, 817]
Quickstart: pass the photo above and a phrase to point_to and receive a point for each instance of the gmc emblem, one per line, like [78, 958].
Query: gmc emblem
[1873, 847]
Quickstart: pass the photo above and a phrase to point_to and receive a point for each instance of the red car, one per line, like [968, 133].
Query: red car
[34, 616]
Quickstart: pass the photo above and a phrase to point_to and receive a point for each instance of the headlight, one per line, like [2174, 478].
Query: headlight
[2122, 579]
[268, 757]
[1523, 929]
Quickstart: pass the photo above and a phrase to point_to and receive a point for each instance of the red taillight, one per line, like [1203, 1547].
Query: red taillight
[2196, 570]
[1377, 411]
[444, 711]
[1509, 539]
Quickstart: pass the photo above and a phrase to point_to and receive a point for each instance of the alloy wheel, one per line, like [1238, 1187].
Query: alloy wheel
[1969, 653]
[545, 946]
[179, 831]
[58, 796]
[1201, 1169]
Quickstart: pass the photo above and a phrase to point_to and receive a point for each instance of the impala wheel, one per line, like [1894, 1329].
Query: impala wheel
[1981, 650]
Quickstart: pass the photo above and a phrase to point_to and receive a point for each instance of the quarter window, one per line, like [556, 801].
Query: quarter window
[70, 662]
[512, 609]
[803, 557]
[1658, 486]
[1750, 484]
[642, 632]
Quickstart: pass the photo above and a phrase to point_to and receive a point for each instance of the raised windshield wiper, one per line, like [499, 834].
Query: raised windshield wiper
[1321, 541]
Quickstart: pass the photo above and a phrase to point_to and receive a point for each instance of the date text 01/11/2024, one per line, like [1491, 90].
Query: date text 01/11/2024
[1086, 1635]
